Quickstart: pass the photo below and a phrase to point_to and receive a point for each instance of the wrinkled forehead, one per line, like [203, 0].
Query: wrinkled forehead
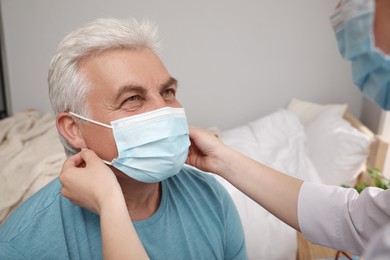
[139, 65]
[114, 72]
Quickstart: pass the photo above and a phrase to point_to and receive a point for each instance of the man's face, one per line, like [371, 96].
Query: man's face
[123, 83]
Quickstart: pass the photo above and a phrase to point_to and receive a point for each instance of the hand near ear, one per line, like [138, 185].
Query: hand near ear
[88, 182]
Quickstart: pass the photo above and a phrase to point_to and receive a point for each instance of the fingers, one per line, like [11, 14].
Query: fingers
[72, 161]
[87, 181]
[86, 156]
[196, 130]
[200, 133]
[196, 133]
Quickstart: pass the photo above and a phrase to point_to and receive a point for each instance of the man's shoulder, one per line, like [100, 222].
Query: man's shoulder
[47, 225]
[192, 174]
[21, 218]
[197, 182]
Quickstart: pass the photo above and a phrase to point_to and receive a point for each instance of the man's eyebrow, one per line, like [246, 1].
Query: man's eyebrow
[139, 89]
[169, 83]
[128, 88]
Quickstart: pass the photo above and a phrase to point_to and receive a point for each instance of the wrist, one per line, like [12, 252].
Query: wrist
[110, 202]
[224, 161]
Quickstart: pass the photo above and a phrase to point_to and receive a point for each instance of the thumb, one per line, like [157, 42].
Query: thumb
[89, 156]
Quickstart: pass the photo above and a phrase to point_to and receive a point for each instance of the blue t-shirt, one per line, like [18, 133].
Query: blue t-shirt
[196, 219]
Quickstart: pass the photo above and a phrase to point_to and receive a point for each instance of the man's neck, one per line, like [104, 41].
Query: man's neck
[142, 199]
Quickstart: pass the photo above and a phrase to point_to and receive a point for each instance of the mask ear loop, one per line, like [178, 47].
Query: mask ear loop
[90, 120]
[106, 162]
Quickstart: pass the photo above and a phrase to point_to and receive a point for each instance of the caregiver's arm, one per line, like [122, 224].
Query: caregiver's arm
[382, 25]
[276, 192]
[89, 183]
[328, 215]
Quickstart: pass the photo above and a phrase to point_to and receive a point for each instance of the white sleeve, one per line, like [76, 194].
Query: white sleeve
[379, 246]
[340, 218]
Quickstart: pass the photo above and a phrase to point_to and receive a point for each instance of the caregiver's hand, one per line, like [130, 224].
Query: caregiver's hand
[209, 154]
[88, 182]
[204, 150]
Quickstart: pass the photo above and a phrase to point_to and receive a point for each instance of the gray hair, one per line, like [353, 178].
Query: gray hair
[67, 85]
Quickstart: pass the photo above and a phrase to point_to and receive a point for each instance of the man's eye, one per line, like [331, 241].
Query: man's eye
[131, 102]
[133, 98]
[169, 92]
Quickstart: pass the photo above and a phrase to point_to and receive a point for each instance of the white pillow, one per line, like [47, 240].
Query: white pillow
[281, 145]
[307, 111]
[338, 150]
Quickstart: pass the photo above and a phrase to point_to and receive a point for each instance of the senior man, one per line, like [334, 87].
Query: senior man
[112, 94]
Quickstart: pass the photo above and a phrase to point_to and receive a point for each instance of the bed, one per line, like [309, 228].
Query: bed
[319, 143]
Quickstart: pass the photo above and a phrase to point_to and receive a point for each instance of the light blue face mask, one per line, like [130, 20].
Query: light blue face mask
[152, 146]
[353, 24]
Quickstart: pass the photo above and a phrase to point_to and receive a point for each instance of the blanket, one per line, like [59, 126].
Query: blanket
[31, 155]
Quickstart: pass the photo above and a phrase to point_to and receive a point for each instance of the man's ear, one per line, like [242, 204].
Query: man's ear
[70, 130]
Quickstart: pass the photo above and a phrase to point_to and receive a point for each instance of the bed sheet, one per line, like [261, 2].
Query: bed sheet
[31, 155]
